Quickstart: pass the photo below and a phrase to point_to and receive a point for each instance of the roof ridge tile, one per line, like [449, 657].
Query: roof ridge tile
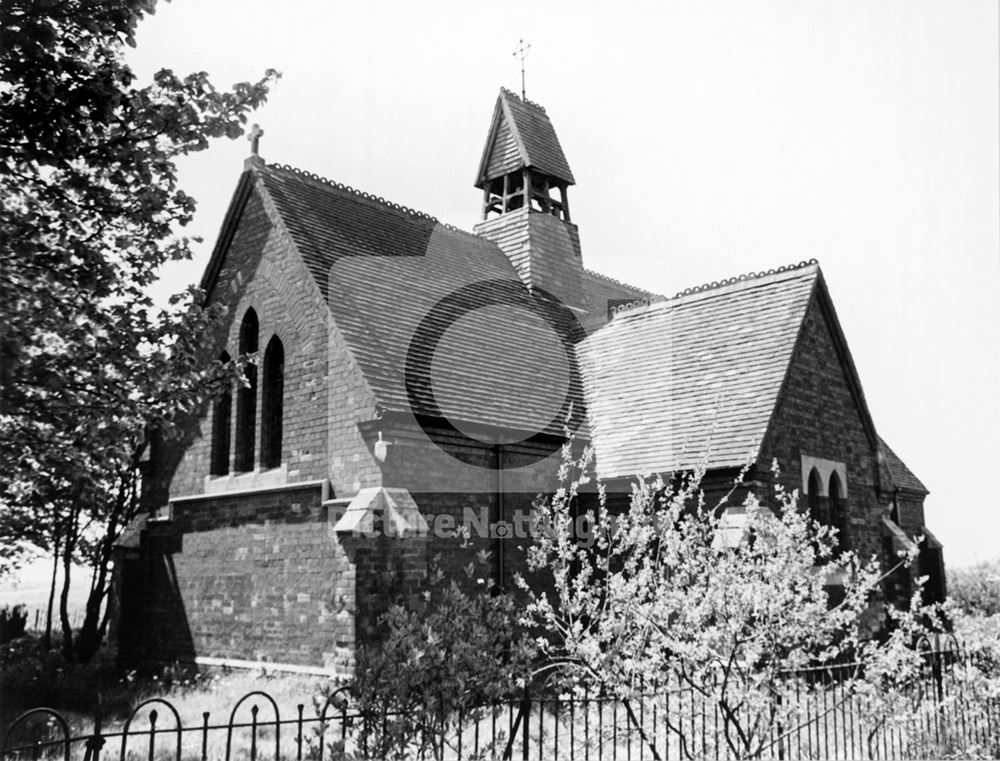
[616, 281]
[524, 100]
[744, 277]
[366, 196]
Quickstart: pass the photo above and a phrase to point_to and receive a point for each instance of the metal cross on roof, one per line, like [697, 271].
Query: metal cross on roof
[522, 52]
[254, 137]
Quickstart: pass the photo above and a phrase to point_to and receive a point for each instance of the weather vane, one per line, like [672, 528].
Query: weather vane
[522, 53]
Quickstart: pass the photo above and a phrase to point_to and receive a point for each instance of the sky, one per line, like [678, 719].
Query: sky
[708, 139]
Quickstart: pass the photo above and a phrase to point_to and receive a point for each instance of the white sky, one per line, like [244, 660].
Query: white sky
[707, 138]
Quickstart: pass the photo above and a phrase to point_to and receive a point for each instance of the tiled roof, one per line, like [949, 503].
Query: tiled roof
[390, 276]
[671, 384]
[604, 294]
[599, 280]
[693, 380]
[525, 126]
[902, 477]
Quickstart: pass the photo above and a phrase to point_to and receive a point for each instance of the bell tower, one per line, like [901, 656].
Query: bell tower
[525, 179]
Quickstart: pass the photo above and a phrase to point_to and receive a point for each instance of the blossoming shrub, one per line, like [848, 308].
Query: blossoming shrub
[663, 595]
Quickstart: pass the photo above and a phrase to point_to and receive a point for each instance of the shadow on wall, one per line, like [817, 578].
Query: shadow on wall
[153, 626]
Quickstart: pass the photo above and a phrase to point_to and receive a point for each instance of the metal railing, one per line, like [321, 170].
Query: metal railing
[673, 720]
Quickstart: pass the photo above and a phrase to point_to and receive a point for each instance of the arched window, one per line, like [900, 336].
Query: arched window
[273, 389]
[838, 511]
[222, 419]
[246, 398]
[816, 511]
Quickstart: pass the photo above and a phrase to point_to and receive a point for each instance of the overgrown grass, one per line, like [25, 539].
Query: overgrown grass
[31, 678]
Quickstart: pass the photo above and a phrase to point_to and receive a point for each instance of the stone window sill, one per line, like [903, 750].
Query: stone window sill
[255, 479]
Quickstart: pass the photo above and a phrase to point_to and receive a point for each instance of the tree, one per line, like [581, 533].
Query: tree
[90, 209]
[666, 594]
[976, 590]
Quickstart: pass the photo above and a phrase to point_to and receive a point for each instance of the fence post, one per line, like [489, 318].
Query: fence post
[298, 739]
[781, 729]
[95, 742]
[204, 735]
[525, 735]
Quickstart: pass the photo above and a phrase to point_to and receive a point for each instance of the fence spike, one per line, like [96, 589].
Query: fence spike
[204, 735]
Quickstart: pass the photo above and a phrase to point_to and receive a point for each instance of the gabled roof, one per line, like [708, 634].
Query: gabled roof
[661, 384]
[385, 271]
[521, 135]
[693, 380]
[900, 476]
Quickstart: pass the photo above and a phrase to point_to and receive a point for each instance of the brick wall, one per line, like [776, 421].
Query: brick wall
[259, 575]
[910, 512]
[324, 392]
[817, 415]
[249, 576]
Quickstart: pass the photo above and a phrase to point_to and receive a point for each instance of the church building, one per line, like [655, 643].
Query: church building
[413, 378]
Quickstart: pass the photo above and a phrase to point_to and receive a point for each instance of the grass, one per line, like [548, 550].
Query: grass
[31, 679]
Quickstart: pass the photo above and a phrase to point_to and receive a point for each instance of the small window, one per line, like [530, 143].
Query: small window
[838, 511]
[272, 404]
[816, 511]
[222, 419]
[246, 398]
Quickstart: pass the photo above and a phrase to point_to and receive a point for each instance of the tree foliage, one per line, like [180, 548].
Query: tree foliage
[91, 205]
[671, 591]
[975, 590]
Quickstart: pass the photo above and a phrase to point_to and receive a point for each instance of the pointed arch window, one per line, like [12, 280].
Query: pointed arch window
[246, 398]
[816, 511]
[272, 403]
[222, 419]
[838, 511]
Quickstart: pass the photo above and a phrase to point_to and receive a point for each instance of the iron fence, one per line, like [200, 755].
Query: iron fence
[821, 717]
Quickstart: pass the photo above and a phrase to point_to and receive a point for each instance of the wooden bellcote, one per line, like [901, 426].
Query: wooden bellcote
[523, 164]
[518, 189]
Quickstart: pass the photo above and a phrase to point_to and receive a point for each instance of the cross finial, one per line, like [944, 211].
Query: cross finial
[254, 137]
[522, 52]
